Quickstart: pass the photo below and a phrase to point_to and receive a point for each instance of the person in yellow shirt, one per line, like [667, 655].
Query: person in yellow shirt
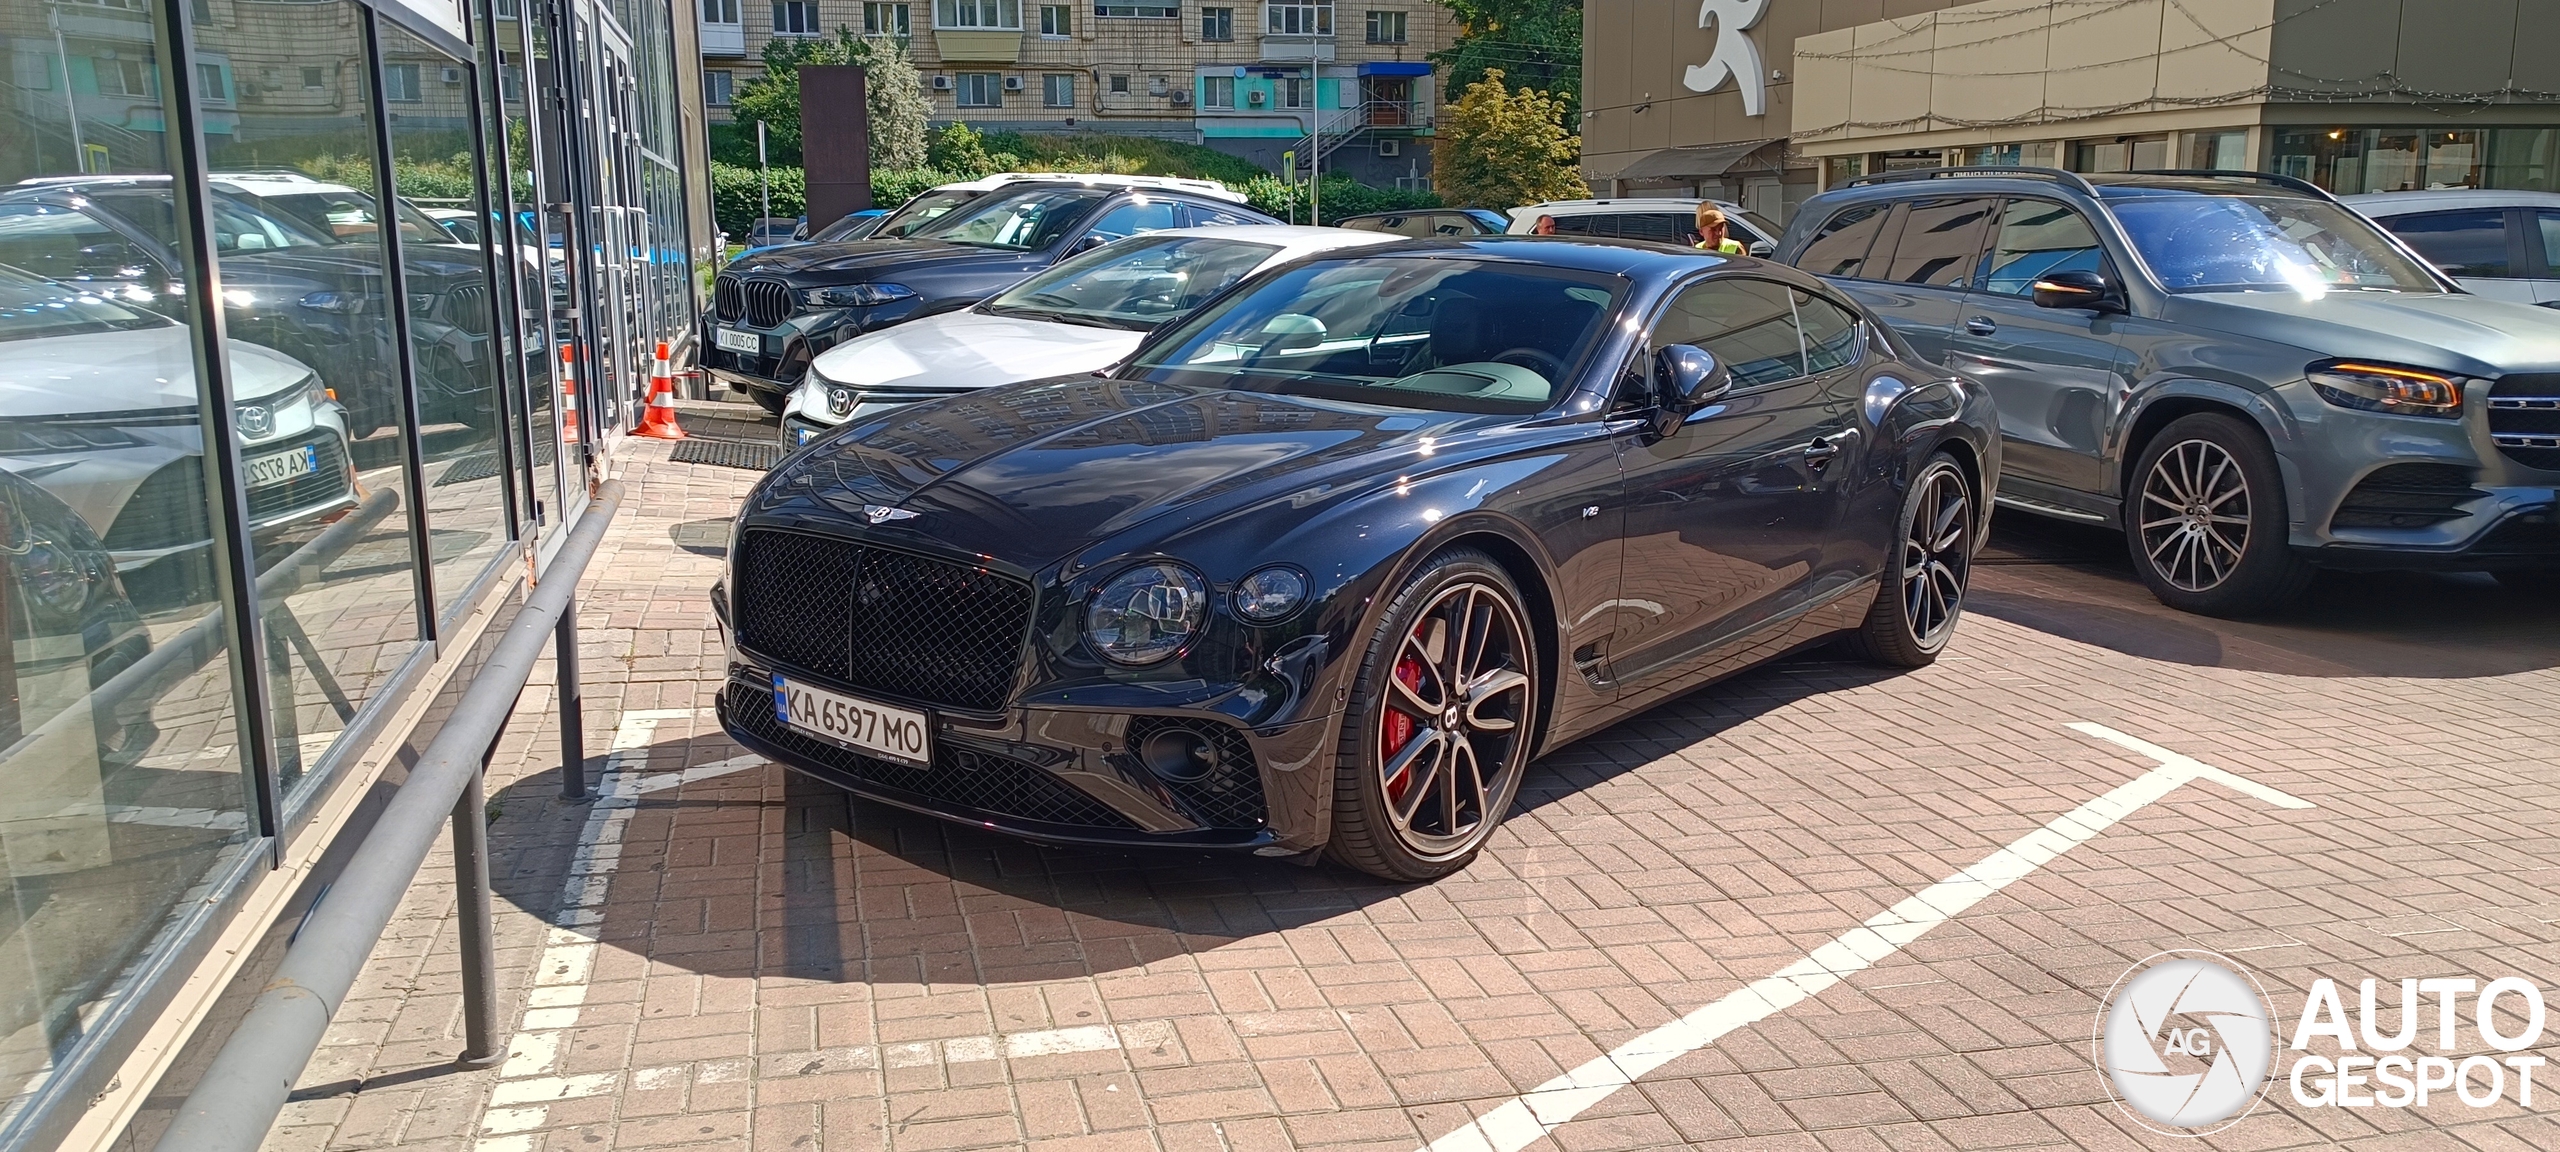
[1711, 235]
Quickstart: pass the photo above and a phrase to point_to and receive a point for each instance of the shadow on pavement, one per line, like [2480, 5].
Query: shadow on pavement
[718, 879]
[2077, 583]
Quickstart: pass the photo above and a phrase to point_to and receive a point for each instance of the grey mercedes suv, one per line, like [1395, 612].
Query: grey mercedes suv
[2248, 378]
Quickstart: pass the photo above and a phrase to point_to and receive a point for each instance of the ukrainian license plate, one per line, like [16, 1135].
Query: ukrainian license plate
[899, 734]
[282, 466]
[735, 341]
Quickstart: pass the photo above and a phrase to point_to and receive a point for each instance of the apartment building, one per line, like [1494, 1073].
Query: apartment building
[1251, 79]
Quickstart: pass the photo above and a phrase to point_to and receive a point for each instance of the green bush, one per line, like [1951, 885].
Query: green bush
[1343, 196]
[734, 196]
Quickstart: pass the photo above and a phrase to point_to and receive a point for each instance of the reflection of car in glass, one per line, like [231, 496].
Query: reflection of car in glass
[1083, 315]
[98, 407]
[2248, 378]
[2500, 243]
[1665, 219]
[852, 226]
[774, 312]
[1429, 223]
[1325, 564]
[69, 625]
[300, 273]
[459, 223]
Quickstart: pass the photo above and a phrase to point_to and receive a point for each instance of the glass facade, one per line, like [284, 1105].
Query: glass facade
[313, 312]
[2349, 161]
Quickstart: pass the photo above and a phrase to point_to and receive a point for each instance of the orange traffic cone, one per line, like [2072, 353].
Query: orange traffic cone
[568, 394]
[659, 422]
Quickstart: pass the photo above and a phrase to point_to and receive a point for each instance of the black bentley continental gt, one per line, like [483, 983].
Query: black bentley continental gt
[1324, 566]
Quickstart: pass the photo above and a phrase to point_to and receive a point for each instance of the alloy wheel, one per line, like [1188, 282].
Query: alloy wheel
[2195, 515]
[1456, 709]
[1936, 551]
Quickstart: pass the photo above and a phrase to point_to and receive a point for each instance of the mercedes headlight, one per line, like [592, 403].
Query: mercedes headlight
[1270, 594]
[2382, 388]
[1146, 614]
[855, 295]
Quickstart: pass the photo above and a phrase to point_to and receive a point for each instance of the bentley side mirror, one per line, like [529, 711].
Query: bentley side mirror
[1686, 378]
[2077, 288]
[1762, 248]
[1090, 242]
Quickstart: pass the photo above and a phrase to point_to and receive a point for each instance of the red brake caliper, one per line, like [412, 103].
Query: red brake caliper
[1398, 728]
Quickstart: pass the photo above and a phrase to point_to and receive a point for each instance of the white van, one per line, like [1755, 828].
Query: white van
[1669, 220]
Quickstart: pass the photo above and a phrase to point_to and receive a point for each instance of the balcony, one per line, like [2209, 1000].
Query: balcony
[978, 45]
[724, 39]
[1316, 48]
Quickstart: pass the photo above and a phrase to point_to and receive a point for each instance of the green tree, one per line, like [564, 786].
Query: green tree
[960, 148]
[1536, 42]
[1501, 147]
[892, 88]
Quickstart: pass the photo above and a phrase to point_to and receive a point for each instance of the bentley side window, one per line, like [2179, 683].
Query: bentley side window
[1750, 326]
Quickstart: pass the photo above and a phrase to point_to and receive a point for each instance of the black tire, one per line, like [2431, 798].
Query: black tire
[772, 402]
[2190, 547]
[1922, 597]
[1394, 816]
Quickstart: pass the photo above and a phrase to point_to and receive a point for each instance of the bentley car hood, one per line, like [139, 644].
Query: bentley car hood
[879, 257]
[140, 370]
[2448, 331]
[1034, 473]
[972, 350]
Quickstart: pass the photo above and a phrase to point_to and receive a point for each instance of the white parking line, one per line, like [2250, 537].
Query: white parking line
[1525, 1119]
[526, 1081]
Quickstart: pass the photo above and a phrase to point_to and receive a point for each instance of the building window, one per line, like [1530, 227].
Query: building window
[209, 80]
[1298, 19]
[795, 18]
[2226, 150]
[885, 20]
[997, 15]
[122, 75]
[2122, 154]
[981, 89]
[1151, 11]
[400, 84]
[719, 11]
[315, 78]
[1296, 92]
[1217, 91]
[1218, 24]
[1119, 83]
[1386, 27]
[1058, 91]
[1054, 22]
[716, 87]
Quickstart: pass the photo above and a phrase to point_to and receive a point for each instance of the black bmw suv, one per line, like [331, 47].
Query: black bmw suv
[773, 312]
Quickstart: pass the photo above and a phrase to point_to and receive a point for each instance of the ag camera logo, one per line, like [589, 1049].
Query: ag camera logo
[2185, 1043]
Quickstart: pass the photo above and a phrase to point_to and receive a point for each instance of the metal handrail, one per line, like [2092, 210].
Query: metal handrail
[241, 1093]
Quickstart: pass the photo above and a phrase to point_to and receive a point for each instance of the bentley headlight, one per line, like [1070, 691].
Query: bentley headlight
[1146, 614]
[2382, 388]
[1270, 594]
[856, 295]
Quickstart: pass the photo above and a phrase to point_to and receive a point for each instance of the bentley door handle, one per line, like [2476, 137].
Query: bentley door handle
[1818, 454]
[1981, 325]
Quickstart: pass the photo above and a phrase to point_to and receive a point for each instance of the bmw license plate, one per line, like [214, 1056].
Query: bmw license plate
[282, 466]
[899, 734]
[733, 340]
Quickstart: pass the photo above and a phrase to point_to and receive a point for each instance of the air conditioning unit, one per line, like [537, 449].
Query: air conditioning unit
[452, 75]
[1255, 99]
[1155, 86]
[1182, 99]
[1390, 147]
[941, 83]
[1013, 83]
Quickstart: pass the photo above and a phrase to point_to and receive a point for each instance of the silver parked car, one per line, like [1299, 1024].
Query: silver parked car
[2498, 243]
[98, 408]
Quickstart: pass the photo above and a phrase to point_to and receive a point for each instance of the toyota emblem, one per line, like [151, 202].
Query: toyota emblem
[255, 420]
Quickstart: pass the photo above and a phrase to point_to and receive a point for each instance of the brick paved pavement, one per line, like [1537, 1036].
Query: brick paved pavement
[744, 959]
